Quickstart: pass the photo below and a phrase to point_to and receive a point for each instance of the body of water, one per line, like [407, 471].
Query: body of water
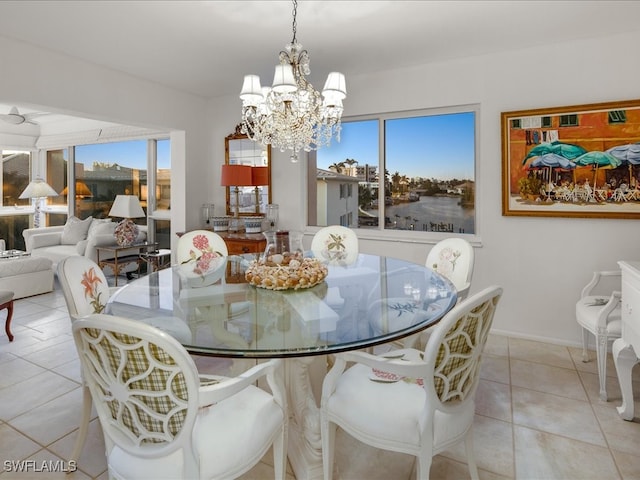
[431, 214]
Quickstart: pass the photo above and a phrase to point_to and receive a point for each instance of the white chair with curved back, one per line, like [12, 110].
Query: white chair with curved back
[453, 258]
[412, 401]
[335, 244]
[598, 312]
[201, 256]
[162, 420]
[86, 291]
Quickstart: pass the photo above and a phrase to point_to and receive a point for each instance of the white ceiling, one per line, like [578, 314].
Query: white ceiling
[206, 47]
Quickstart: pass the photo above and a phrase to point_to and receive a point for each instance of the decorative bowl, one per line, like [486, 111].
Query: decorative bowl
[220, 224]
[298, 273]
[253, 224]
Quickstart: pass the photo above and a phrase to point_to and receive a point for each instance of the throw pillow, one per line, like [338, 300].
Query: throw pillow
[75, 230]
[95, 226]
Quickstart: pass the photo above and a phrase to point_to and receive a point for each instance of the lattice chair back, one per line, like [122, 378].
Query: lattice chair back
[84, 286]
[144, 386]
[336, 245]
[455, 347]
[453, 258]
[201, 256]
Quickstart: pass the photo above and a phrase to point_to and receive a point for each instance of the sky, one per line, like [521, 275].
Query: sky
[435, 146]
[131, 154]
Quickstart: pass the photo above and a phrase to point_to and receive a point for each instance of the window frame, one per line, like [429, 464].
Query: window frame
[411, 236]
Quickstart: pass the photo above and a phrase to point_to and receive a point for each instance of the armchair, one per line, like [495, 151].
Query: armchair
[599, 313]
[162, 420]
[412, 401]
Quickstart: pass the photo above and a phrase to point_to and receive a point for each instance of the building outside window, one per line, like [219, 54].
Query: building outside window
[427, 160]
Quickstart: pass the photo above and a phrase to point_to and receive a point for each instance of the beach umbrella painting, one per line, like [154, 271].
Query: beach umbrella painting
[566, 150]
[598, 160]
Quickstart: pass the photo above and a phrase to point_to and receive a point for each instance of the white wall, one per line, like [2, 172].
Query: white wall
[541, 262]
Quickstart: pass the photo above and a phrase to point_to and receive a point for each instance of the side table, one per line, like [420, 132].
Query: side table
[120, 257]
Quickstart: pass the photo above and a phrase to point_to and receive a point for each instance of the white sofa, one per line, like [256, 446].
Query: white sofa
[25, 276]
[56, 243]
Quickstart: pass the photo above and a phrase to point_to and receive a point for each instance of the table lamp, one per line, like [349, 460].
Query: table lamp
[236, 176]
[37, 190]
[126, 207]
[259, 178]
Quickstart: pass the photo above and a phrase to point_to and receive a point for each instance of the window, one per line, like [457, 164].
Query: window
[617, 116]
[413, 171]
[569, 120]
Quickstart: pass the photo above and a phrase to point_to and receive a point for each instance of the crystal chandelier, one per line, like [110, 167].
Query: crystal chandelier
[292, 115]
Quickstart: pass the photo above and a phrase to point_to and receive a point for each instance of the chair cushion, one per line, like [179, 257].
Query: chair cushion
[247, 420]
[358, 398]
[75, 230]
[587, 310]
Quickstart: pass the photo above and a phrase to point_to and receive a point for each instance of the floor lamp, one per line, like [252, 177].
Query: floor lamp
[37, 190]
[236, 176]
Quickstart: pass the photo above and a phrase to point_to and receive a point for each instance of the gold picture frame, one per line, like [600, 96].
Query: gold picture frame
[573, 161]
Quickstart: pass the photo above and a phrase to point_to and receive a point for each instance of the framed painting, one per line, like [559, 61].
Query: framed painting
[575, 161]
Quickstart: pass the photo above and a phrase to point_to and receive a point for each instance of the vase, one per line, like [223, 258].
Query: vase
[282, 244]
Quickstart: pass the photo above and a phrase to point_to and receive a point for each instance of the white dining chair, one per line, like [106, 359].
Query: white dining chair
[412, 401]
[86, 291]
[599, 313]
[162, 420]
[454, 259]
[335, 244]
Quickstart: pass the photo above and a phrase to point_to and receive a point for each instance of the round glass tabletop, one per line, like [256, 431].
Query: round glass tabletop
[373, 300]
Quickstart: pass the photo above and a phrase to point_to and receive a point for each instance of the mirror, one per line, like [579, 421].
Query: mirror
[253, 198]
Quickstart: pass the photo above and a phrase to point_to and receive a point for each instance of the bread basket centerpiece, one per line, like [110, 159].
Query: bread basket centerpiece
[283, 265]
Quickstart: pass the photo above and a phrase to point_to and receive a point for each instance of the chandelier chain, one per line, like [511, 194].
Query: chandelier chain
[295, 14]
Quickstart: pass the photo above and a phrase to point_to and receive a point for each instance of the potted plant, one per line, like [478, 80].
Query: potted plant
[530, 188]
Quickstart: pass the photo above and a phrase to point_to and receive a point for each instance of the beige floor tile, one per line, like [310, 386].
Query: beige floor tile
[494, 400]
[540, 455]
[14, 445]
[546, 378]
[15, 370]
[54, 355]
[621, 435]
[444, 468]
[37, 390]
[492, 444]
[538, 352]
[495, 368]
[497, 345]
[70, 370]
[592, 365]
[92, 459]
[629, 465]
[356, 461]
[591, 382]
[52, 420]
[557, 415]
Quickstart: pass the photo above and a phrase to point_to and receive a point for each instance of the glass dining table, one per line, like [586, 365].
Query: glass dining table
[372, 301]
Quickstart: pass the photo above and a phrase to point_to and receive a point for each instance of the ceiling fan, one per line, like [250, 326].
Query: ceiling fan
[14, 117]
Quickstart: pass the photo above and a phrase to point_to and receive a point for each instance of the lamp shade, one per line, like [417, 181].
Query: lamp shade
[335, 86]
[81, 190]
[126, 206]
[38, 188]
[259, 176]
[251, 92]
[235, 176]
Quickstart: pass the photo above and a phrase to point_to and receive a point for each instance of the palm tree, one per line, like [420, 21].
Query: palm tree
[337, 167]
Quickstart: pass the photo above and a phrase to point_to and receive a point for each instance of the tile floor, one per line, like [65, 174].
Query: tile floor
[538, 413]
